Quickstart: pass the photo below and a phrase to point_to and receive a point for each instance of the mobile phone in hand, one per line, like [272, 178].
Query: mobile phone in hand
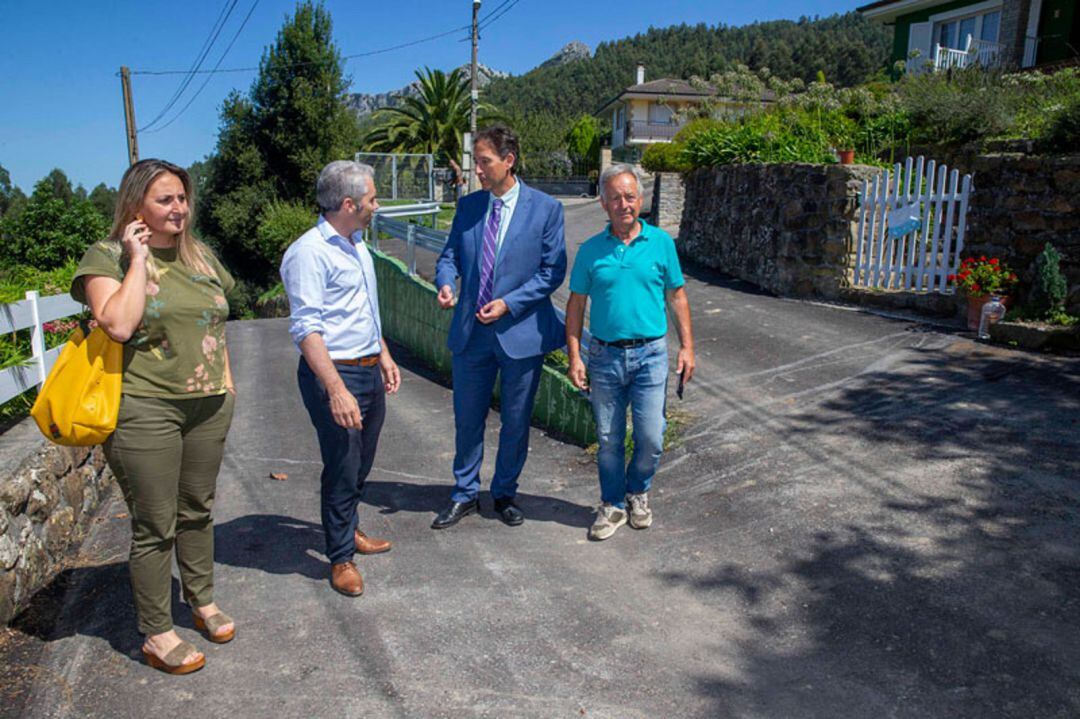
[682, 383]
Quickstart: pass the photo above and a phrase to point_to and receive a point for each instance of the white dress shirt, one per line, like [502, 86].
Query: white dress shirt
[330, 281]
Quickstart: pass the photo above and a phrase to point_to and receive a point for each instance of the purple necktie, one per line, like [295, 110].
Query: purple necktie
[487, 259]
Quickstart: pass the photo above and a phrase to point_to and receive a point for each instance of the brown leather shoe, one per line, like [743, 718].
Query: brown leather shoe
[370, 545]
[345, 578]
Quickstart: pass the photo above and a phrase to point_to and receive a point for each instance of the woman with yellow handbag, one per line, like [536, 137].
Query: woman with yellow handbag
[155, 288]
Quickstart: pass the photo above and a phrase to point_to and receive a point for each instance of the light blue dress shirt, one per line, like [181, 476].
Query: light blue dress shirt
[509, 199]
[330, 282]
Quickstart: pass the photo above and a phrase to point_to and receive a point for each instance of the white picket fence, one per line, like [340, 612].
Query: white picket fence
[911, 227]
[33, 312]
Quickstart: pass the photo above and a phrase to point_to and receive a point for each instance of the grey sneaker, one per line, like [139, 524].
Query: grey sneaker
[608, 519]
[640, 514]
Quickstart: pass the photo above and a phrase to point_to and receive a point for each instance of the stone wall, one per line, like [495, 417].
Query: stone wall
[48, 495]
[1020, 203]
[787, 228]
[668, 200]
[790, 228]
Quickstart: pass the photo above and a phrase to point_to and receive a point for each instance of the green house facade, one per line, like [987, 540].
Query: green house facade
[940, 35]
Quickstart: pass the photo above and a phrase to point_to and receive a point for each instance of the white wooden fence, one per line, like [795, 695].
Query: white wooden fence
[911, 228]
[33, 312]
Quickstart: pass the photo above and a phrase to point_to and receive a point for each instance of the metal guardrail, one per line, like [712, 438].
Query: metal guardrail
[426, 238]
[33, 312]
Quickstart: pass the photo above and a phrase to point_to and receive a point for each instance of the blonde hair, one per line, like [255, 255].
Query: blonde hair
[133, 188]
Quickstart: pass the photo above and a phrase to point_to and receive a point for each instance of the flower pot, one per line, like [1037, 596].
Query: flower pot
[847, 157]
[974, 309]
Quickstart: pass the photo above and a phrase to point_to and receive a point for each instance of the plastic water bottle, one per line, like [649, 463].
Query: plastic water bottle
[993, 311]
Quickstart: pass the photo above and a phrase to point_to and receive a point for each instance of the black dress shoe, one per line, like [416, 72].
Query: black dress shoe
[509, 512]
[455, 513]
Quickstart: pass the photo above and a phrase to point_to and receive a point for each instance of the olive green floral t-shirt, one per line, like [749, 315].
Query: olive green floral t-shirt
[179, 348]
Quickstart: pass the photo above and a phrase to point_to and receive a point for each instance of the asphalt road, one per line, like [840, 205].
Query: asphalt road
[866, 517]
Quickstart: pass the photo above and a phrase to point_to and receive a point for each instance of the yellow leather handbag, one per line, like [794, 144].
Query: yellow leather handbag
[80, 400]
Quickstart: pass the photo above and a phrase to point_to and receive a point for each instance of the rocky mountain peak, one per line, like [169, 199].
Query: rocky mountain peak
[364, 104]
[571, 51]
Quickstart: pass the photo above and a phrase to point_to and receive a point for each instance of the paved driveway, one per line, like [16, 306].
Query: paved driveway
[867, 517]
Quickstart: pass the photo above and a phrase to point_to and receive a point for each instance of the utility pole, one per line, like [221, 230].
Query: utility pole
[129, 116]
[474, 94]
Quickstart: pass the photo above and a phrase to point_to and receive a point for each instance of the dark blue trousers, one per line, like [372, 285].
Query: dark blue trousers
[347, 454]
[474, 371]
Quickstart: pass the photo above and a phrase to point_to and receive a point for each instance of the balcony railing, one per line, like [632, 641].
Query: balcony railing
[979, 52]
[651, 131]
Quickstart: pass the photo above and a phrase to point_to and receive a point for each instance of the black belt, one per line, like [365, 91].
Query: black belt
[627, 344]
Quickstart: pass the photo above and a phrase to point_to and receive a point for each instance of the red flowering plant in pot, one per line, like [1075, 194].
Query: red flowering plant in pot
[978, 279]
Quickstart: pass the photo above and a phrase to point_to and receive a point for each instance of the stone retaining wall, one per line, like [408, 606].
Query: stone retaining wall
[48, 495]
[1020, 203]
[788, 228]
[668, 200]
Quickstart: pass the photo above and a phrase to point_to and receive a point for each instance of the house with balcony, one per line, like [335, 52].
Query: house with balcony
[948, 34]
[650, 112]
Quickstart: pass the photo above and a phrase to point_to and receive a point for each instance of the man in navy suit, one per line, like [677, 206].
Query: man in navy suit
[507, 246]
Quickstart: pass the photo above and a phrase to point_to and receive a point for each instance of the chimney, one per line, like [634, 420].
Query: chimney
[640, 74]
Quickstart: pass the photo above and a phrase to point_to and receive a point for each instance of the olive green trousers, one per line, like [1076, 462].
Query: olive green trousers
[165, 454]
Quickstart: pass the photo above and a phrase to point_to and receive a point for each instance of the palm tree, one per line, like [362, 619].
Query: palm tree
[434, 121]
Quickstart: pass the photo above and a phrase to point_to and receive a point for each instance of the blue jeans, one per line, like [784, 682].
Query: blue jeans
[347, 454]
[634, 377]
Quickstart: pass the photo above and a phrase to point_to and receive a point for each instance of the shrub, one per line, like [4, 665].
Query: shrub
[1047, 296]
[281, 223]
[583, 140]
[957, 107]
[786, 135]
[1040, 99]
[665, 157]
[1063, 132]
[52, 228]
[242, 300]
[695, 127]
[15, 281]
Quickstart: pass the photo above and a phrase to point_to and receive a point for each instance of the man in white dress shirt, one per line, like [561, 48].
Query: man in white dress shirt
[345, 366]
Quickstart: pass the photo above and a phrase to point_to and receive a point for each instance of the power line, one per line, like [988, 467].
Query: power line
[488, 19]
[216, 66]
[196, 63]
[493, 11]
[508, 7]
[196, 68]
[305, 64]
[204, 52]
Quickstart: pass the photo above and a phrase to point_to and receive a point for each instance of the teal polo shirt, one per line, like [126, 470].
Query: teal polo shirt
[626, 283]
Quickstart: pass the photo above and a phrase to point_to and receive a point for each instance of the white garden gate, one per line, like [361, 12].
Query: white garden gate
[911, 227]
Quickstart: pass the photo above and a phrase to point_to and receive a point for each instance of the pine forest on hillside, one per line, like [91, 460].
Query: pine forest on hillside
[846, 48]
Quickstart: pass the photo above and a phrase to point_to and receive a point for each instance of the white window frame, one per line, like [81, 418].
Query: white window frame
[977, 11]
[1031, 45]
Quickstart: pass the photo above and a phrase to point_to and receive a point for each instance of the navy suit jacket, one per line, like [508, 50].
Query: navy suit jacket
[530, 266]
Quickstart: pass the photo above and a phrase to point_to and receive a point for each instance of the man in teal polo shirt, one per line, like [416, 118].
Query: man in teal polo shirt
[629, 271]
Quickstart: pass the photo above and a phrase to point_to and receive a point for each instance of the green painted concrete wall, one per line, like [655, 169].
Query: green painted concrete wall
[411, 317]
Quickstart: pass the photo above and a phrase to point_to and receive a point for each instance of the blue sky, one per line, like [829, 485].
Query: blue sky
[60, 101]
